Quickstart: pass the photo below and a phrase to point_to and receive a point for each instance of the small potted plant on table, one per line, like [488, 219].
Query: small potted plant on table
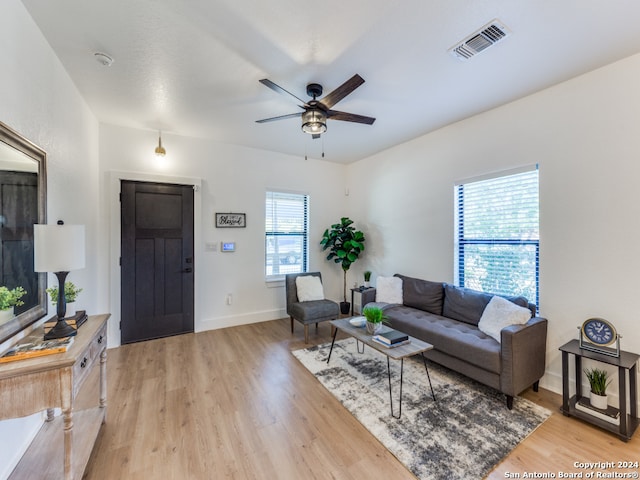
[375, 317]
[367, 278]
[71, 292]
[598, 379]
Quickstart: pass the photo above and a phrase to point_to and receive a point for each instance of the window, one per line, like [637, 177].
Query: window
[286, 233]
[498, 234]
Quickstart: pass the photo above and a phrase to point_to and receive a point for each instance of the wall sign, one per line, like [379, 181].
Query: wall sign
[231, 220]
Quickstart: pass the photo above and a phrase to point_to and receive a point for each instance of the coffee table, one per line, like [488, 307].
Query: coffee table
[414, 347]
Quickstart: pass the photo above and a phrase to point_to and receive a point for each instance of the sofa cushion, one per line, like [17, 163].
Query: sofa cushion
[467, 305]
[422, 294]
[501, 313]
[309, 288]
[457, 339]
[389, 290]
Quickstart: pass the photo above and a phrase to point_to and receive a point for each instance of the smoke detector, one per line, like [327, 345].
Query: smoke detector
[103, 59]
[492, 33]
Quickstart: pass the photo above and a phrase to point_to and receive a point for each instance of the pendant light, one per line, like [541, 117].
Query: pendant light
[160, 151]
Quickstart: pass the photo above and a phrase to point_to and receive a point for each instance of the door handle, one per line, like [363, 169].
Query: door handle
[187, 270]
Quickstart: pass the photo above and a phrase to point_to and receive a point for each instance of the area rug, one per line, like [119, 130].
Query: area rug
[462, 435]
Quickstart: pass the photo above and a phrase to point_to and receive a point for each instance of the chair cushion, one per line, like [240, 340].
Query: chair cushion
[501, 313]
[309, 288]
[314, 311]
[389, 290]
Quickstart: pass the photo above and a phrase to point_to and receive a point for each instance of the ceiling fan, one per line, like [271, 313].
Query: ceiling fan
[316, 112]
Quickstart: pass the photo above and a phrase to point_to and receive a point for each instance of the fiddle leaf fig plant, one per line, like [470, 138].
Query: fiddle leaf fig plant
[345, 244]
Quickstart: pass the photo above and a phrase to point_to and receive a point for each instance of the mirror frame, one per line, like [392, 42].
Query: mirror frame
[13, 139]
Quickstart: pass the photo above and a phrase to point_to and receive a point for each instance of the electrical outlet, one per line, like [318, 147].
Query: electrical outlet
[229, 299]
[211, 246]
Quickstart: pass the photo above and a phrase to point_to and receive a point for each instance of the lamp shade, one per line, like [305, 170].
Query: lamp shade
[58, 248]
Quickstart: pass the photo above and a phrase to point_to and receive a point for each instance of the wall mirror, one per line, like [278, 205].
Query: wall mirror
[23, 199]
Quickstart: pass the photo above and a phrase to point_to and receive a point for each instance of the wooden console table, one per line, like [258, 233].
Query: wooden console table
[626, 364]
[54, 381]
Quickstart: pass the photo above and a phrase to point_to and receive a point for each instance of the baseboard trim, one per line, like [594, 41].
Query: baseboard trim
[237, 320]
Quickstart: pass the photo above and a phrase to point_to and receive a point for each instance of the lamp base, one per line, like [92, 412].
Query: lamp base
[61, 330]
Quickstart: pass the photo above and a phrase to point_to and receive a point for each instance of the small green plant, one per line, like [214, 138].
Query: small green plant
[598, 380]
[374, 315]
[11, 298]
[70, 293]
[367, 276]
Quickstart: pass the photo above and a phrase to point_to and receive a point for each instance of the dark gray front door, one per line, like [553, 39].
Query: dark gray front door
[157, 260]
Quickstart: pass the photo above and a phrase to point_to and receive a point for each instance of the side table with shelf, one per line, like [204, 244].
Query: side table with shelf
[360, 296]
[626, 364]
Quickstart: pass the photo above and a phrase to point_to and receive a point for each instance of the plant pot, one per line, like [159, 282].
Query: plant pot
[366, 284]
[345, 307]
[373, 328]
[6, 315]
[598, 401]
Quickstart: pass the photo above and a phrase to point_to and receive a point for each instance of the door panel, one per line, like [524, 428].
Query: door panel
[157, 260]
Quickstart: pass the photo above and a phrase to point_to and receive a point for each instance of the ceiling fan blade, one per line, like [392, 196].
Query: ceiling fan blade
[342, 91]
[281, 117]
[350, 117]
[277, 88]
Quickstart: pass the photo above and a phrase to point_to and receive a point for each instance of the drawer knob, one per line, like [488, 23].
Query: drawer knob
[83, 363]
[100, 339]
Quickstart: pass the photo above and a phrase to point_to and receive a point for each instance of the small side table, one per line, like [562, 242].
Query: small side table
[365, 297]
[626, 364]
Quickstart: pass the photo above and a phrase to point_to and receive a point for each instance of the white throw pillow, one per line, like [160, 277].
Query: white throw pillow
[309, 288]
[500, 313]
[389, 290]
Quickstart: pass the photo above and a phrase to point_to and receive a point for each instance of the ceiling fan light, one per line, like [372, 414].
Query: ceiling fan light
[314, 122]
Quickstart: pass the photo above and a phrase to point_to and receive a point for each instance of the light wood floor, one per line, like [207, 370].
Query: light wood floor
[234, 403]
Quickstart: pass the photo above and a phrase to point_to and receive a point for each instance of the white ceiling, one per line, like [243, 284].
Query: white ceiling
[191, 67]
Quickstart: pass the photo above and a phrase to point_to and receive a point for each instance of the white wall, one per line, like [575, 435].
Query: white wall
[585, 135]
[233, 179]
[38, 99]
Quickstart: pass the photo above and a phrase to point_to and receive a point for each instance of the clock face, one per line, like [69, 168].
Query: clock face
[599, 331]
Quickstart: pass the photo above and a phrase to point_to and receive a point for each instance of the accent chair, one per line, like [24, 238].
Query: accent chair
[310, 311]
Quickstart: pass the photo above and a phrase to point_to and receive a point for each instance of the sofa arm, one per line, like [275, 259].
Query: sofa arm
[368, 296]
[523, 355]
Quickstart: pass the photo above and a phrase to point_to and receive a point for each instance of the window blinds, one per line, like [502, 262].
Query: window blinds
[286, 233]
[498, 235]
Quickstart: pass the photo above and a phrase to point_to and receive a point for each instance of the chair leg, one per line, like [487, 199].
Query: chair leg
[316, 327]
[291, 324]
[306, 333]
[536, 385]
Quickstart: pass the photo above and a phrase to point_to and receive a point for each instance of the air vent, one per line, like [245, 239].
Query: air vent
[479, 41]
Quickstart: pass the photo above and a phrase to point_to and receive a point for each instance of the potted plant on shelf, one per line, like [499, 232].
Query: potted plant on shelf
[375, 317]
[71, 292]
[367, 278]
[598, 379]
[8, 300]
[345, 244]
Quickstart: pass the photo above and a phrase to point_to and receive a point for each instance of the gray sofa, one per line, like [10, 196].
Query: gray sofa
[447, 317]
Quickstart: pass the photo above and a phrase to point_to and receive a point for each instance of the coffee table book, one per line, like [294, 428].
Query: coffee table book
[611, 414]
[36, 349]
[391, 337]
[391, 345]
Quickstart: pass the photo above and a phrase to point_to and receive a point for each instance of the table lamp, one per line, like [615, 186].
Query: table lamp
[59, 249]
